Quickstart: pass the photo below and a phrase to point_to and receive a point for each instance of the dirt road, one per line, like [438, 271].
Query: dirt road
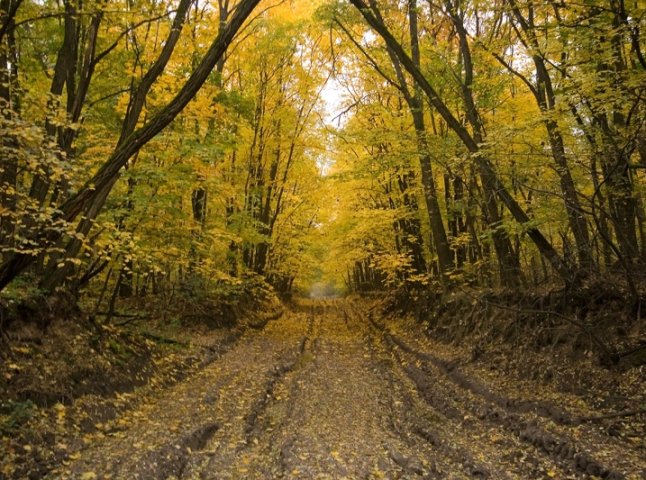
[326, 392]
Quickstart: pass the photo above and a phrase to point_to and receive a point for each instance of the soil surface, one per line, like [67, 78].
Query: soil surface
[328, 392]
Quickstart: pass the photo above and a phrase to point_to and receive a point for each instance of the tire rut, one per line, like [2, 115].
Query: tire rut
[480, 405]
[328, 416]
[235, 463]
[253, 425]
[420, 420]
[175, 434]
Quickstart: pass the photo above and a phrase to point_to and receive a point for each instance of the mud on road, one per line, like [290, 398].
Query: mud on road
[328, 392]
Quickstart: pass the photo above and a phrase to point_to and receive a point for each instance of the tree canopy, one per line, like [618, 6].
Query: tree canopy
[320, 145]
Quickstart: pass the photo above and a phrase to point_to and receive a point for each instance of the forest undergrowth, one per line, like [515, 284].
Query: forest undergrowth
[68, 372]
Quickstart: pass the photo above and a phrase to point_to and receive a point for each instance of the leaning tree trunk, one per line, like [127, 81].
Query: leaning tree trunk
[543, 91]
[93, 194]
[480, 158]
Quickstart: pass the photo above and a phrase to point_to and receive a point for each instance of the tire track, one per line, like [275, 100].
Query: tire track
[209, 414]
[260, 426]
[422, 421]
[321, 430]
[481, 405]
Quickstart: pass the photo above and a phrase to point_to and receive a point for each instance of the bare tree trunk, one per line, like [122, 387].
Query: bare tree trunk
[416, 107]
[410, 226]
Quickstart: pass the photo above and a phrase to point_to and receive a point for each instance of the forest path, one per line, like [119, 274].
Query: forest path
[326, 392]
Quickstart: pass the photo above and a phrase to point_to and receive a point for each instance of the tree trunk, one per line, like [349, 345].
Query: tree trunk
[440, 240]
[545, 96]
[410, 226]
[9, 106]
[416, 108]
